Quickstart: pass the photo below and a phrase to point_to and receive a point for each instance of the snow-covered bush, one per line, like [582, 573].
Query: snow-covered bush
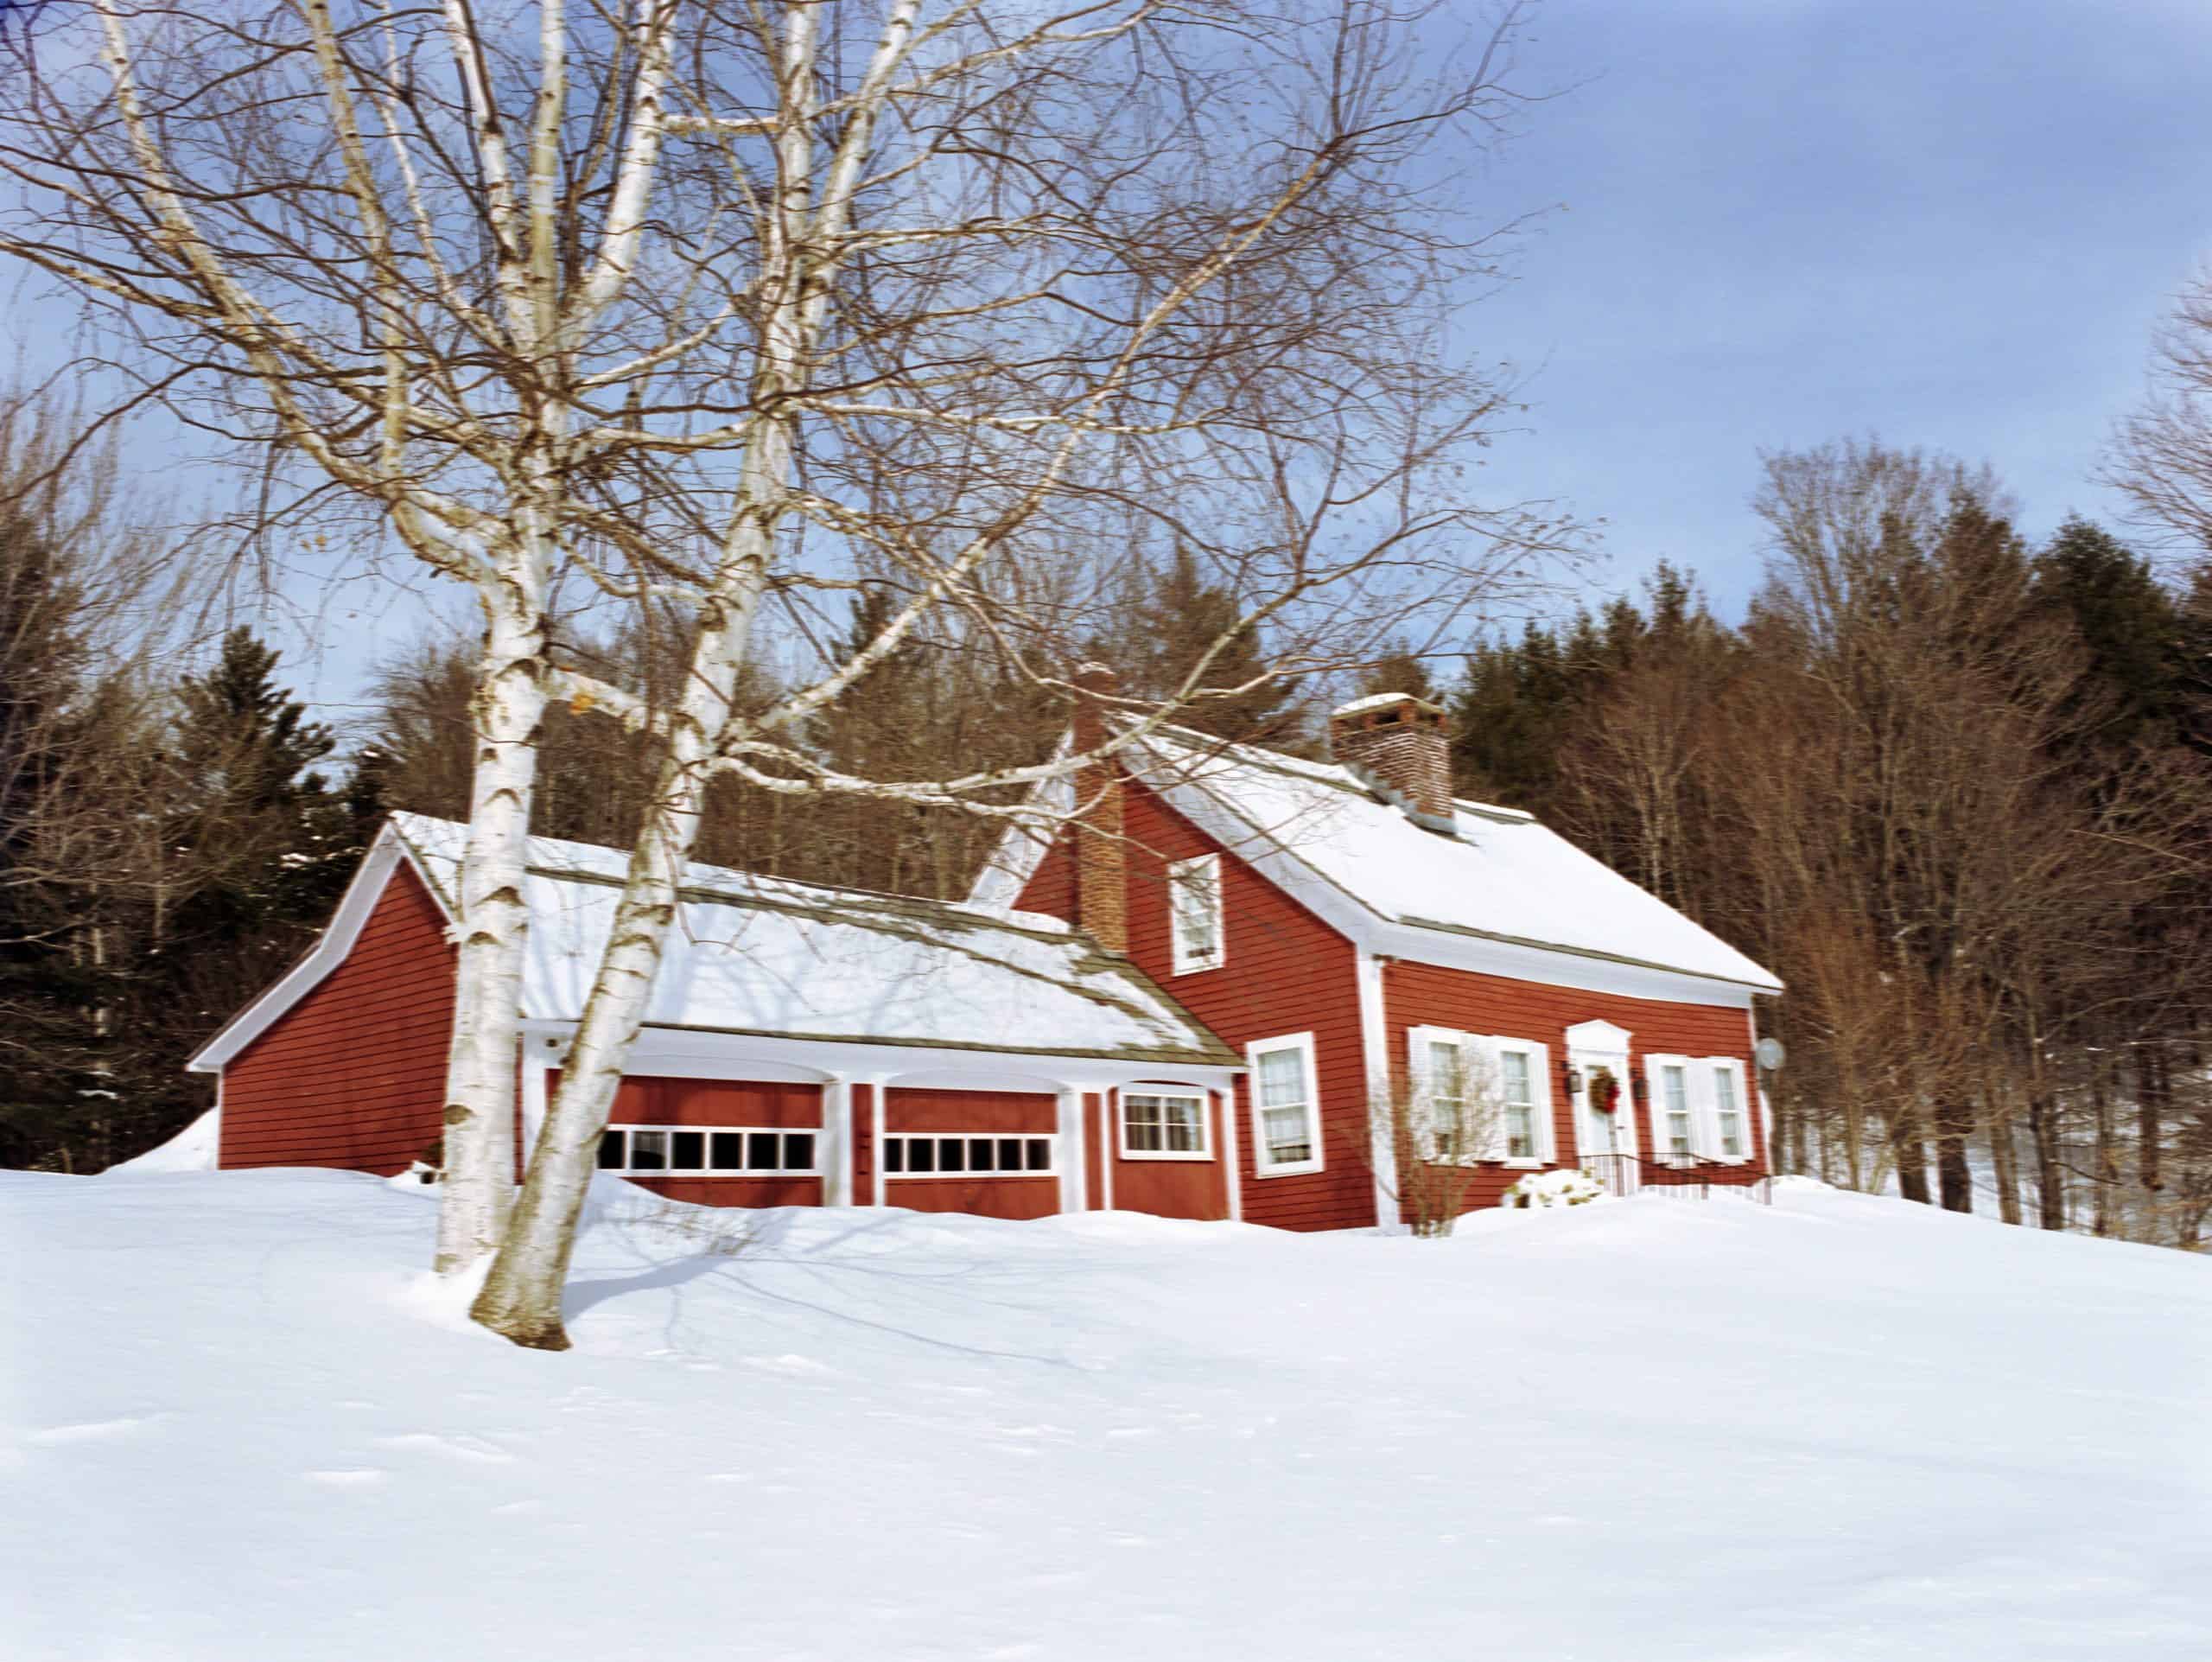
[1552, 1189]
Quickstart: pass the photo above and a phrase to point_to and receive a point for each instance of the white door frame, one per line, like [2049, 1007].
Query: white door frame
[1590, 1045]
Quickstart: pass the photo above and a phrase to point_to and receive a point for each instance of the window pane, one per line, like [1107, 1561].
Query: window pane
[1009, 1154]
[1677, 1089]
[1282, 1078]
[1040, 1154]
[649, 1151]
[1520, 1132]
[894, 1154]
[1513, 1064]
[610, 1150]
[798, 1151]
[1287, 1135]
[761, 1153]
[951, 1154]
[726, 1151]
[982, 1154]
[1142, 1116]
[687, 1151]
[921, 1154]
[1724, 1089]
[1185, 1126]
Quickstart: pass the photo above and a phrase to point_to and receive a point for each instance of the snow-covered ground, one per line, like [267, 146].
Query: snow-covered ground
[235, 1425]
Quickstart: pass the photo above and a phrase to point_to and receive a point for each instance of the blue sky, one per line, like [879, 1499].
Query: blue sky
[1777, 222]
[1951, 224]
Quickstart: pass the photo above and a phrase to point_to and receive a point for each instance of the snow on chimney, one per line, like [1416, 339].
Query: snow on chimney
[1398, 745]
[1102, 893]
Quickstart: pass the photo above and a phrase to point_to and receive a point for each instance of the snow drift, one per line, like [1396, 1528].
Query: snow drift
[241, 1425]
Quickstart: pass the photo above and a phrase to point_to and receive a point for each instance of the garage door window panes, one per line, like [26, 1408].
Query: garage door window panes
[712, 1152]
[966, 1154]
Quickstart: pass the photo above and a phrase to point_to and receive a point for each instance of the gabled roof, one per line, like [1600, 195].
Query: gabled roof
[760, 955]
[1319, 832]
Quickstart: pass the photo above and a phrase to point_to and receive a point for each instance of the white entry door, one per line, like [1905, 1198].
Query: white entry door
[1606, 1143]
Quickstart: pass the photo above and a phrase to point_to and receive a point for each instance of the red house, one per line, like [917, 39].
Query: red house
[1200, 1001]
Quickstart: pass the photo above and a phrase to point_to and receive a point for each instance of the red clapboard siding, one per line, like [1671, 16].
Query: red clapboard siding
[1286, 972]
[353, 1075]
[1425, 994]
[652, 1099]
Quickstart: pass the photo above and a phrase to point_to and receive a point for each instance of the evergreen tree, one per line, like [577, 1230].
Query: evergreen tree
[1400, 669]
[1179, 618]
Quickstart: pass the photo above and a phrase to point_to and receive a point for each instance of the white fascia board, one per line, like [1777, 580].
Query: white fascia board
[330, 951]
[1554, 967]
[696, 1053]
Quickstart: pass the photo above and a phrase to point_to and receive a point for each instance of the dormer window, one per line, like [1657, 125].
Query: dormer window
[1194, 914]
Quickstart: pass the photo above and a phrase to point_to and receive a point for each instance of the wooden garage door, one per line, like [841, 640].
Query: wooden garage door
[733, 1143]
[989, 1152]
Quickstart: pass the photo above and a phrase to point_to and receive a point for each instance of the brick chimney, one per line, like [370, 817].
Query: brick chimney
[1102, 891]
[1398, 745]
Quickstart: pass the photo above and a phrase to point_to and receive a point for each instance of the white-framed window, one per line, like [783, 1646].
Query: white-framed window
[1194, 914]
[706, 1151]
[1161, 1122]
[1732, 1125]
[1700, 1108]
[1286, 1106]
[967, 1154]
[1505, 1083]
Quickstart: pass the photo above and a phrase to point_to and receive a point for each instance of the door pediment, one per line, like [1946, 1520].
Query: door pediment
[1601, 1036]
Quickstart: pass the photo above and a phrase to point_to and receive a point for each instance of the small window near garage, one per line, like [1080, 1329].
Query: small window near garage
[919, 1154]
[1163, 1125]
[1194, 914]
[687, 1151]
[649, 1151]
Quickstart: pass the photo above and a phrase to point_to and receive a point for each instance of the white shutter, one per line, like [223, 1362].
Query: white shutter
[1540, 1094]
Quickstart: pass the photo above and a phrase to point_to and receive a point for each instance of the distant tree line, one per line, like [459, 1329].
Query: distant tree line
[1955, 791]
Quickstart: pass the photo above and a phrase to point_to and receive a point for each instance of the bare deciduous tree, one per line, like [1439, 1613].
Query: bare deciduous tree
[721, 309]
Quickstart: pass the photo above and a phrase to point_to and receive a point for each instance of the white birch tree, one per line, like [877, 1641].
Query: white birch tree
[720, 307]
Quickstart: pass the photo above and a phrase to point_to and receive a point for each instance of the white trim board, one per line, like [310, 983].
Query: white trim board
[332, 948]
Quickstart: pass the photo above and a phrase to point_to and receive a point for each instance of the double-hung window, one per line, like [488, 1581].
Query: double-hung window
[1161, 1123]
[1481, 1096]
[1517, 1100]
[1286, 1106]
[1700, 1109]
[1194, 914]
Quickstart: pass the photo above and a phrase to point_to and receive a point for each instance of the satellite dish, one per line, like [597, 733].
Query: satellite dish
[1771, 1054]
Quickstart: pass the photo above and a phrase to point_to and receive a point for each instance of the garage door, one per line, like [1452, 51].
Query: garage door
[990, 1152]
[735, 1142]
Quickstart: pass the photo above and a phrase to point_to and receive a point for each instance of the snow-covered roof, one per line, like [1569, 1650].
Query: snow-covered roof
[761, 955]
[1500, 876]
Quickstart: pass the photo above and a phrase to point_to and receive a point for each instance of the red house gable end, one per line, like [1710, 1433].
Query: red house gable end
[353, 1075]
[1284, 972]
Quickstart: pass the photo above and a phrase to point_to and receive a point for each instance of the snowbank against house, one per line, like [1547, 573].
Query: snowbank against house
[239, 1426]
